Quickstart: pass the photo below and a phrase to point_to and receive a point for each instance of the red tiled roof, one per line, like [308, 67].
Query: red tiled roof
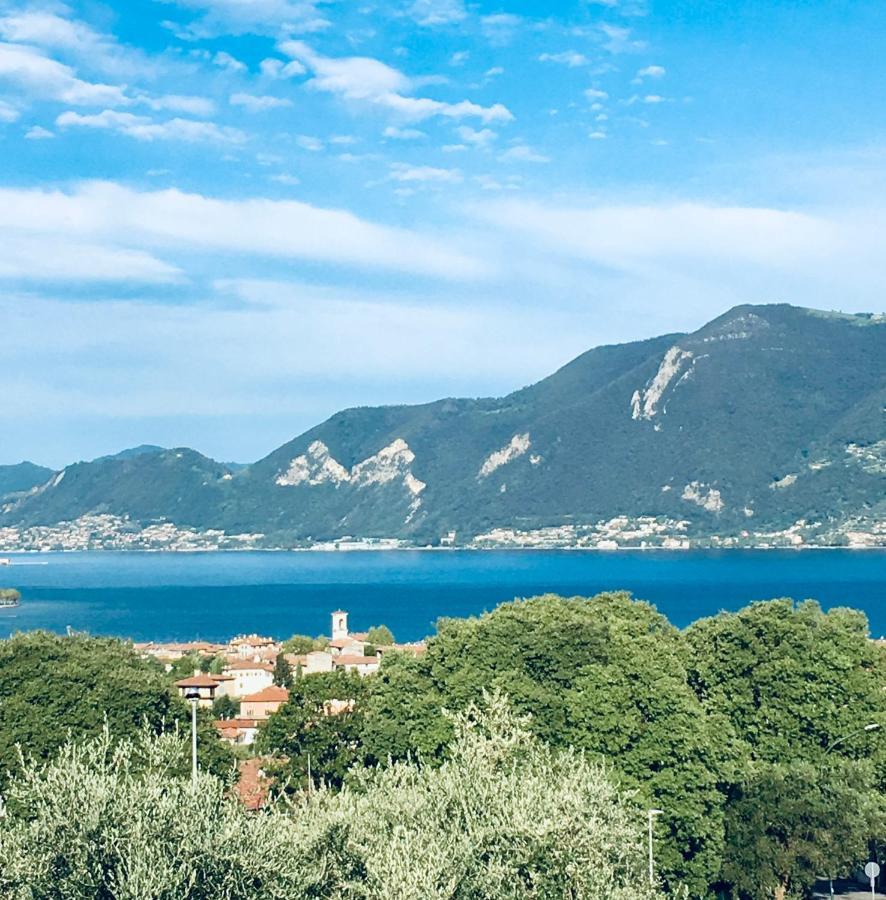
[270, 694]
[235, 724]
[240, 665]
[343, 660]
[339, 643]
[197, 681]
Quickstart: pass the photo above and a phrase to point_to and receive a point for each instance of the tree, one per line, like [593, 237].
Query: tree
[225, 707]
[795, 686]
[790, 823]
[317, 731]
[53, 688]
[299, 644]
[605, 675]
[380, 636]
[282, 672]
[504, 818]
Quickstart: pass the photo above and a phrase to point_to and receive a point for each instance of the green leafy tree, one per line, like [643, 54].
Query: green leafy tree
[605, 675]
[282, 672]
[503, 818]
[317, 731]
[380, 636]
[54, 687]
[796, 686]
[790, 823]
[299, 644]
[225, 707]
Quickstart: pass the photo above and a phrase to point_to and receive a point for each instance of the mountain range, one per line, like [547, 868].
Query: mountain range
[767, 425]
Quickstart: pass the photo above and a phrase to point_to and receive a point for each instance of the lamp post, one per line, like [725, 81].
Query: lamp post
[871, 726]
[652, 813]
[194, 696]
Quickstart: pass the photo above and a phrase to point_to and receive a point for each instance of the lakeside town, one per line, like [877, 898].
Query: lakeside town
[103, 531]
[248, 669]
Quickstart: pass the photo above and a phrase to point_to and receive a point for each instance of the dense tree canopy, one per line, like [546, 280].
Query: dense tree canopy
[380, 636]
[605, 675]
[504, 818]
[317, 732]
[798, 687]
[54, 687]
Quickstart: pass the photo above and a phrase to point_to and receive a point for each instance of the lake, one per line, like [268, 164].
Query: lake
[179, 596]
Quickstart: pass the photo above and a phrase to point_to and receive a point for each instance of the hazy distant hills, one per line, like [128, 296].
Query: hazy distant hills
[766, 416]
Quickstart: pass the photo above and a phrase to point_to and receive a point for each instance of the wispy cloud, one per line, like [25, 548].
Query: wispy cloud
[523, 153]
[405, 173]
[143, 128]
[271, 17]
[173, 220]
[41, 77]
[258, 103]
[365, 80]
[430, 13]
[571, 58]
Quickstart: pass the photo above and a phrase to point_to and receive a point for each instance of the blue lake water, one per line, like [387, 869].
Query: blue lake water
[178, 596]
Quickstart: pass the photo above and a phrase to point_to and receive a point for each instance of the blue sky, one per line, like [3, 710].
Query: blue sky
[223, 220]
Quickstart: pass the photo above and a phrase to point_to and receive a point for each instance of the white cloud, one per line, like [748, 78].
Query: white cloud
[570, 58]
[287, 179]
[366, 80]
[500, 28]
[226, 61]
[271, 17]
[194, 106]
[596, 94]
[276, 68]
[306, 142]
[437, 12]
[8, 112]
[254, 103]
[478, 138]
[38, 133]
[26, 258]
[178, 221]
[651, 72]
[403, 172]
[494, 71]
[47, 79]
[523, 153]
[619, 39]
[98, 52]
[597, 135]
[403, 134]
[143, 128]
[459, 58]
[653, 98]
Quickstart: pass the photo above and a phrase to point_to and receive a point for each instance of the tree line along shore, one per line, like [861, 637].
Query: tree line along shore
[549, 748]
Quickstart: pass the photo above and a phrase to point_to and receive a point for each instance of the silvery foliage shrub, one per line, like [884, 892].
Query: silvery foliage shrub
[503, 817]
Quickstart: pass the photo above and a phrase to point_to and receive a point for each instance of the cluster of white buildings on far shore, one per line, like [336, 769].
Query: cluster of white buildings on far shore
[247, 673]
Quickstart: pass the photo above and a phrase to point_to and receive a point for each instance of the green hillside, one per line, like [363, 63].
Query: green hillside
[766, 417]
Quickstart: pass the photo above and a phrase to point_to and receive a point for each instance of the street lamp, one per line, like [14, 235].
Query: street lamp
[652, 813]
[871, 726]
[194, 696]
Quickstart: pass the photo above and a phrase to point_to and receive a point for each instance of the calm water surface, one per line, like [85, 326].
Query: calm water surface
[177, 596]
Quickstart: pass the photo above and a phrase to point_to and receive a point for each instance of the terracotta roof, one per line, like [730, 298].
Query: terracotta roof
[340, 643]
[197, 681]
[343, 660]
[252, 786]
[270, 694]
[248, 664]
[235, 724]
